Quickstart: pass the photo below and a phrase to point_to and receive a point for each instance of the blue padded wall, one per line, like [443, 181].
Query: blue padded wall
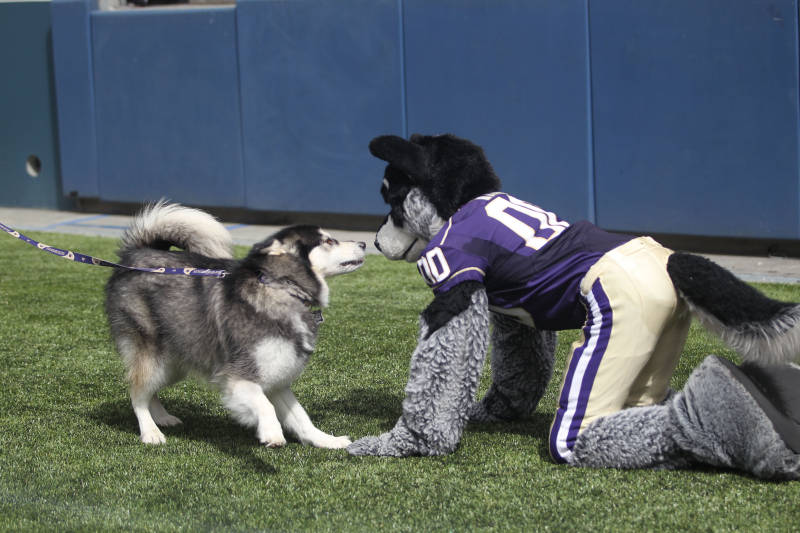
[319, 80]
[696, 116]
[512, 76]
[664, 116]
[74, 83]
[167, 106]
[27, 107]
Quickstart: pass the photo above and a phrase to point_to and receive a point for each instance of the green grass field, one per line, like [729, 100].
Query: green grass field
[70, 456]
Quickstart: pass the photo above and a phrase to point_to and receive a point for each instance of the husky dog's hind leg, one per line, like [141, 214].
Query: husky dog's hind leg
[146, 376]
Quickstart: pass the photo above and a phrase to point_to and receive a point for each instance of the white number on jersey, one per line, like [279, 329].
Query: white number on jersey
[433, 266]
[504, 210]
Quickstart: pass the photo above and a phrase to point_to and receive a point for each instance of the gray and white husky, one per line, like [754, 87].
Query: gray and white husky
[250, 333]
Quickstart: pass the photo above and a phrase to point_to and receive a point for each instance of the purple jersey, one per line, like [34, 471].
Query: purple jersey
[530, 262]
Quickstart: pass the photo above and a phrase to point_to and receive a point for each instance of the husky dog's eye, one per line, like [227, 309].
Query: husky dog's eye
[330, 241]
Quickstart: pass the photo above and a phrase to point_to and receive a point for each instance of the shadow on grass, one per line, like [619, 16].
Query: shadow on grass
[368, 403]
[536, 426]
[221, 432]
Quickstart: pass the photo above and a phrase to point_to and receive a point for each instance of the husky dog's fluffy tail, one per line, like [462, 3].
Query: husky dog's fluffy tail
[761, 329]
[163, 224]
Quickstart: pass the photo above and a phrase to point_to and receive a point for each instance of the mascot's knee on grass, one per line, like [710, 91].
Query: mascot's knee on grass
[508, 273]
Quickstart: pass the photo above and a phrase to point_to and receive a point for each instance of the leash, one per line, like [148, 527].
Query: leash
[187, 271]
[89, 260]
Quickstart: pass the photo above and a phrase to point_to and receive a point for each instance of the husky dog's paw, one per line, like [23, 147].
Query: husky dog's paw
[334, 443]
[153, 437]
[273, 440]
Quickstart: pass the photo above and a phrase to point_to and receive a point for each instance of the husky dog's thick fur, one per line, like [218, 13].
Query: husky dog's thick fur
[492, 259]
[250, 333]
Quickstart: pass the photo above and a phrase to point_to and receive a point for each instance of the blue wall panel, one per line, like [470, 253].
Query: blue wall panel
[512, 76]
[167, 106]
[696, 116]
[74, 83]
[27, 106]
[319, 80]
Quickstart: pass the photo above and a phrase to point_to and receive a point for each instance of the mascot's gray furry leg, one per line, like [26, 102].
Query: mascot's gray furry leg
[445, 370]
[522, 365]
[746, 418]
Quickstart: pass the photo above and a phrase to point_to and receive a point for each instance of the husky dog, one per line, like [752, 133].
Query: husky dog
[491, 258]
[250, 333]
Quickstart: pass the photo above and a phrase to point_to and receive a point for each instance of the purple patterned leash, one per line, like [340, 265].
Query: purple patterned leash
[89, 260]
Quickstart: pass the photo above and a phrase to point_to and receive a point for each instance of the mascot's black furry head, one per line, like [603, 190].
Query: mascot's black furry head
[427, 179]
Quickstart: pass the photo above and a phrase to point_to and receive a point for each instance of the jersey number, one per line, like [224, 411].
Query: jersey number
[504, 211]
[433, 266]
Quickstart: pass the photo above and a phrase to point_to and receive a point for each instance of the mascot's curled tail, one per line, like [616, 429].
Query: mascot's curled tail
[762, 330]
[163, 224]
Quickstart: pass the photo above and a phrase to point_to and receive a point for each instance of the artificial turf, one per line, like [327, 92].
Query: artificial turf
[70, 456]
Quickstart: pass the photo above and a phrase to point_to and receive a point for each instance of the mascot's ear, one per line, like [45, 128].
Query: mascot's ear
[407, 156]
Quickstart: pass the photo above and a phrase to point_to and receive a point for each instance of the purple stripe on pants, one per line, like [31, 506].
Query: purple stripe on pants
[581, 374]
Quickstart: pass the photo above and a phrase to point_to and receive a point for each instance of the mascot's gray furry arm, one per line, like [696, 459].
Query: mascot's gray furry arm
[445, 369]
[522, 365]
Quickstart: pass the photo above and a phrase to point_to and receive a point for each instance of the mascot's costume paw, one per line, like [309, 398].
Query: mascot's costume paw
[498, 265]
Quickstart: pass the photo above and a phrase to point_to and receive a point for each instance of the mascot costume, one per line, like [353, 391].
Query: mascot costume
[506, 272]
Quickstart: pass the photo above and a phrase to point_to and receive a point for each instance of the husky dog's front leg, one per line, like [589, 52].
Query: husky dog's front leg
[296, 421]
[249, 405]
[445, 369]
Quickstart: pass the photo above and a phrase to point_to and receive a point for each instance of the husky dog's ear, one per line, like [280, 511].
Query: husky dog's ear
[409, 157]
[276, 247]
